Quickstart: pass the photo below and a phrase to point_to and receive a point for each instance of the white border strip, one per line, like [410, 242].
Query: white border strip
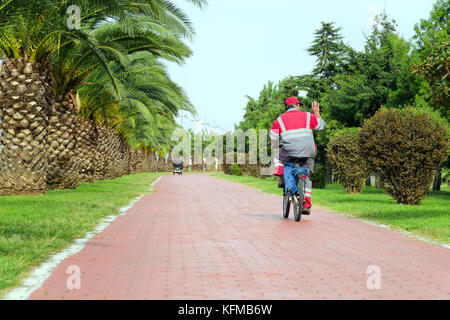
[408, 233]
[40, 274]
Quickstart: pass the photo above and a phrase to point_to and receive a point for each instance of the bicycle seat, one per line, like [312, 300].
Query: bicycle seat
[299, 162]
[303, 171]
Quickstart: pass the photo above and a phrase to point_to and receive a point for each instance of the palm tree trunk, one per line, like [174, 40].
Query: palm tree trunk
[126, 157]
[138, 161]
[63, 165]
[133, 161]
[162, 167]
[115, 153]
[86, 150]
[147, 162]
[25, 103]
[121, 155]
[105, 150]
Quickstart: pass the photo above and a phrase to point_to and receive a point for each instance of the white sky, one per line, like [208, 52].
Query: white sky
[242, 44]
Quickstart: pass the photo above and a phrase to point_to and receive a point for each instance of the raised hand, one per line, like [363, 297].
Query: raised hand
[315, 108]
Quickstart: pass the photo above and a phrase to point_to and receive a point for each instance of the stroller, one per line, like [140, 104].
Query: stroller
[178, 167]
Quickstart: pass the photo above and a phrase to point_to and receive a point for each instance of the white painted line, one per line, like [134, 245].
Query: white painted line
[40, 274]
[155, 182]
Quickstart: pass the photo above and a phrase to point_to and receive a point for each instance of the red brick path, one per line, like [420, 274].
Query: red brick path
[199, 237]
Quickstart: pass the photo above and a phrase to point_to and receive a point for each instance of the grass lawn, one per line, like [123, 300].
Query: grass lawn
[430, 219]
[34, 227]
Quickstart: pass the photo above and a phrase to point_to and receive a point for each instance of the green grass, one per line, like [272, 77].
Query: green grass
[34, 227]
[430, 219]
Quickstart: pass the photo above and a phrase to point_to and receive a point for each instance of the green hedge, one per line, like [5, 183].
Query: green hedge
[343, 153]
[405, 146]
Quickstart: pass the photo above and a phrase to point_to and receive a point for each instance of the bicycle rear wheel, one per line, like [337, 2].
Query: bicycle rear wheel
[301, 184]
[297, 211]
[286, 206]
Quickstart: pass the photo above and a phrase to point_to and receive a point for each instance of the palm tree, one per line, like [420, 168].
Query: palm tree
[28, 37]
[143, 33]
[25, 100]
[26, 97]
[148, 104]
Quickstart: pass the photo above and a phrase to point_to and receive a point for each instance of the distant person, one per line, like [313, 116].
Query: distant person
[177, 161]
[177, 165]
[297, 142]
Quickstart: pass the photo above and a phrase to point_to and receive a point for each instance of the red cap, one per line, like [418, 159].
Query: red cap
[292, 100]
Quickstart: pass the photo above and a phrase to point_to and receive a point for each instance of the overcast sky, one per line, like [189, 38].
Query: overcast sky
[240, 45]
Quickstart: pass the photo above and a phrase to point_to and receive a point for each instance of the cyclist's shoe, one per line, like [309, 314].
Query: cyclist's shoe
[306, 211]
[289, 193]
[295, 196]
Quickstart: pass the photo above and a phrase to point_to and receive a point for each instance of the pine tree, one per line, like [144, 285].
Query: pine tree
[328, 49]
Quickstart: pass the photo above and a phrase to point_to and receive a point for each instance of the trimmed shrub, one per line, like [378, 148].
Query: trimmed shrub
[254, 170]
[319, 177]
[197, 167]
[247, 169]
[235, 170]
[244, 169]
[226, 169]
[405, 146]
[344, 155]
[226, 166]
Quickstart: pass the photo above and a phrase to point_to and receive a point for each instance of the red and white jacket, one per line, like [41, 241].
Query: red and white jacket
[297, 141]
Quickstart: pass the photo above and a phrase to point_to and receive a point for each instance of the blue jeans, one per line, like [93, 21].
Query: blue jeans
[289, 175]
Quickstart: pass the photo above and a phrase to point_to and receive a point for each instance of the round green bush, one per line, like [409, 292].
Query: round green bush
[344, 155]
[405, 146]
[254, 170]
[235, 170]
[226, 166]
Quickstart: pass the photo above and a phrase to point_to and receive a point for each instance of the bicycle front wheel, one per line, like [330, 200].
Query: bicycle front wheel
[297, 211]
[286, 206]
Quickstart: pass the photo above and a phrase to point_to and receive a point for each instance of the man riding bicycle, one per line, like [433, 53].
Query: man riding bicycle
[297, 142]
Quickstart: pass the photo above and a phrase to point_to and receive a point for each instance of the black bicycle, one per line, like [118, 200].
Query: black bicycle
[297, 202]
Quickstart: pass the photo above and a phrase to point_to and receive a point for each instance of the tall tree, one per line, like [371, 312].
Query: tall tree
[363, 91]
[328, 48]
[432, 53]
[329, 51]
[260, 113]
[331, 55]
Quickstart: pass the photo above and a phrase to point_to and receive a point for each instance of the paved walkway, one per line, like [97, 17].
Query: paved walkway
[199, 237]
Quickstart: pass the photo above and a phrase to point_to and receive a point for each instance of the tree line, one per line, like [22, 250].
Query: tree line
[352, 86]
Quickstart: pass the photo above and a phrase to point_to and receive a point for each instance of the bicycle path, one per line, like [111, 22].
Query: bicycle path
[199, 237]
